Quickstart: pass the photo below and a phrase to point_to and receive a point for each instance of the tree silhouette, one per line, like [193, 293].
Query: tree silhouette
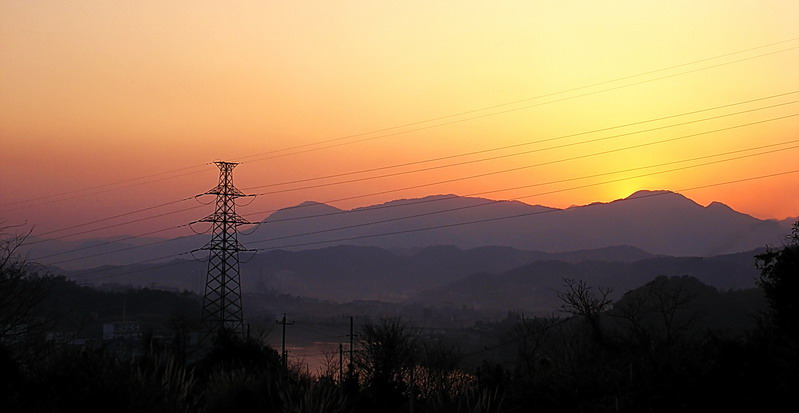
[661, 312]
[385, 360]
[580, 300]
[21, 291]
[779, 279]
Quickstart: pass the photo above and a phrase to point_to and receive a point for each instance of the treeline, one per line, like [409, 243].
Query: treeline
[671, 345]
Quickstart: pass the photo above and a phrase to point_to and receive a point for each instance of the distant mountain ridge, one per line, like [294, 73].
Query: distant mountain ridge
[486, 278]
[350, 272]
[510, 255]
[659, 222]
[535, 286]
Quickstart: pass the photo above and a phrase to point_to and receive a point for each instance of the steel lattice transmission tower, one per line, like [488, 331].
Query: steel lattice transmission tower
[222, 302]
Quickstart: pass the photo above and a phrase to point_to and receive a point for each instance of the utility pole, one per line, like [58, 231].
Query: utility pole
[222, 307]
[412, 396]
[340, 363]
[283, 344]
[351, 366]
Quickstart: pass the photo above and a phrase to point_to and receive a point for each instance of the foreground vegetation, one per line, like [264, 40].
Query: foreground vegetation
[671, 345]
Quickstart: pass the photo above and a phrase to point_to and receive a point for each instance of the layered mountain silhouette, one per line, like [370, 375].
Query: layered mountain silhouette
[349, 272]
[485, 278]
[659, 222]
[535, 286]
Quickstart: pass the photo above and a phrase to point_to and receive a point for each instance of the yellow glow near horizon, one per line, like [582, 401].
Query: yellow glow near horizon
[95, 92]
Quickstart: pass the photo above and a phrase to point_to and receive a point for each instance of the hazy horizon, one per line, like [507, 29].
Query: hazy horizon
[111, 107]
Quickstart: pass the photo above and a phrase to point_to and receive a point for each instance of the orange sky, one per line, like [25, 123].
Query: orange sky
[97, 93]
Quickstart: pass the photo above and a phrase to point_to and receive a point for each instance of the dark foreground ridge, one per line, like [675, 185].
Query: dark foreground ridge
[672, 343]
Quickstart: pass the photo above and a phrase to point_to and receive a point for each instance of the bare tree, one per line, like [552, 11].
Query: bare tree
[438, 375]
[329, 367]
[661, 312]
[580, 300]
[533, 335]
[386, 357]
[21, 290]
[634, 308]
[669, 301]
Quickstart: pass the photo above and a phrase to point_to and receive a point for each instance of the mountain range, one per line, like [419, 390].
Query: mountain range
[535, 286]
[461, 252]
[658, 222]
[469, 252]
[485, 278]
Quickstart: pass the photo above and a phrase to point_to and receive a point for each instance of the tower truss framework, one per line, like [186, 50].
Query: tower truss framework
[222, 307]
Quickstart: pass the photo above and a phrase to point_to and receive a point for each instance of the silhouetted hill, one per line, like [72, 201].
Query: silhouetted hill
[486, 277]
[340, 273]
[691, 307]
[344, 273]
[534, 286]
[787, 223]
[83, 309]
[620, 253]
[660, 222]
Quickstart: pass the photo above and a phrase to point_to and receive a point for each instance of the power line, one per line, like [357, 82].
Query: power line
[543, 96]
[515, 109]
[109, 185]
[115, 225]
[49, 199]
[133, 247]
[133, 271]
[408, 204]
[493, 202]
[514, 216]
[549, 183]
[441, 166]
[381, 168]
[222, 301]
[501, 190]
[526, 152]
[481, 175]
[129, 237]
[115, 216]
[418, 170]
[174, 256]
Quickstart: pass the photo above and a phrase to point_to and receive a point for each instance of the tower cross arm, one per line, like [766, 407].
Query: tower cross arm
[227, 218]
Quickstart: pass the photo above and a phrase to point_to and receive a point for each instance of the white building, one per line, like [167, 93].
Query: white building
[120, 330]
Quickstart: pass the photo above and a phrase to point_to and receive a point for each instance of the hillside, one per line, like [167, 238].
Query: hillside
[659, 222]
[534, 286]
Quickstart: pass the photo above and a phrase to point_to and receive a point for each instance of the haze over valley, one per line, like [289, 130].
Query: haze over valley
[399, 206]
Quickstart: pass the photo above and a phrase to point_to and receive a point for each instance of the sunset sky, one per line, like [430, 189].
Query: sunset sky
[113, 106]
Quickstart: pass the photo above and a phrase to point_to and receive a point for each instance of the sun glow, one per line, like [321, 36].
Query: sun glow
[99, 92]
